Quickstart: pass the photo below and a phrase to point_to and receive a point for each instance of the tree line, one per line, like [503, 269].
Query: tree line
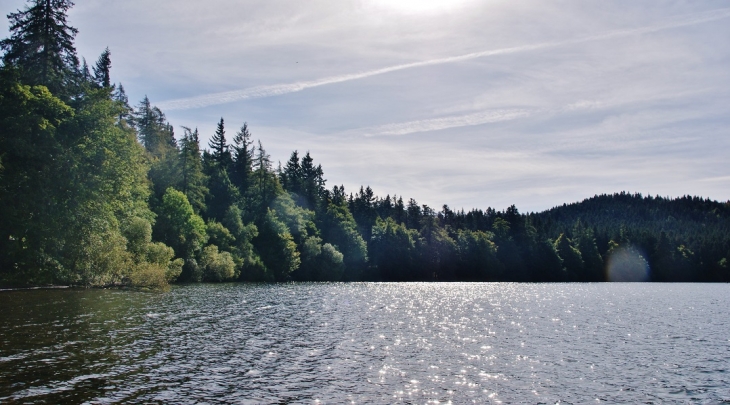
[95, 191]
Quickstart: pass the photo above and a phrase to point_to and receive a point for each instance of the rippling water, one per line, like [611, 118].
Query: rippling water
[368, 343]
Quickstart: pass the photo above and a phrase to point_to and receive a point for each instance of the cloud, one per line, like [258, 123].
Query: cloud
[286, 88]
[435, 124]
[721, 179]
[488, 116]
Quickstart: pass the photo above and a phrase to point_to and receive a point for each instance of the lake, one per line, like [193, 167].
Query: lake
[368, 343]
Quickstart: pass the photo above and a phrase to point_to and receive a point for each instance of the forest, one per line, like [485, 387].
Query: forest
[95, 191]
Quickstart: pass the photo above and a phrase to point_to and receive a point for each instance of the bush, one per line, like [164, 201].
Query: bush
[150, 275]
[218, 266]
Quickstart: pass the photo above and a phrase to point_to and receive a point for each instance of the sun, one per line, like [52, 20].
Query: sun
[418, 6]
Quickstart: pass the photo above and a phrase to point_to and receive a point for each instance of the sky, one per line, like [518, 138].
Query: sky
[469, 103]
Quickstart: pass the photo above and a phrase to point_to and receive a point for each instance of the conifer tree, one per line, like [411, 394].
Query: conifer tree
[155, 133]
[102, 69]
[243, 152]
[413, 213]
[41, 44]
[193, 183]
[125, 118]
[291, 175]
[84, 73]
[312, 181]
[572, 260]
[219, 147]
[263, 174]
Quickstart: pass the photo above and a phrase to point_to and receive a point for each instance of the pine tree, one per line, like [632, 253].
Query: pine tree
[41, 44]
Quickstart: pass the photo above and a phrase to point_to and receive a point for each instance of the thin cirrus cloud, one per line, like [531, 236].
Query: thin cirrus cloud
[500, 115]
[435, 124]
[286, 88]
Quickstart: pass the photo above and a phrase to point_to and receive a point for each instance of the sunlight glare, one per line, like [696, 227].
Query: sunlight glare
[418, 6]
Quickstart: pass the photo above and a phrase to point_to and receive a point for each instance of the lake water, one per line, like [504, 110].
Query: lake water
[368, 343]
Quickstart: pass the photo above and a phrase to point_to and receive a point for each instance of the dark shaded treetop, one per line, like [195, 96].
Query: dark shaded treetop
[243, 153]
[102, 68]
[155, 133]
[219, 146]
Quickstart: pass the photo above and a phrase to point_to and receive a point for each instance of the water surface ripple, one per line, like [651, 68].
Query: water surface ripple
[368, 343]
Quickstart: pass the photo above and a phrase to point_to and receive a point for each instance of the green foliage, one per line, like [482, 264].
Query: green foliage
[138, 232]
[155, 133]
[320, 262]
[219, 235]
[657, 226]
[437, 251]
[277, 247]
[251, 266]
[571, 257]
[193, 182]
[94, 192]
[393, 250]
[362, 207]
[298, 220]
[220, 156]
[585, 242]
[233, 220]
[477, 257]
[243, 155]
[98, 256]
[265, 186]
[71, 177]
[339, 228]
[223, 193]
[545, 262]
[31, 219]
[149, 275]
[178, 226]
[219, 266]
[41, 45]
[153, 263]
[162, 256]
[102, 69]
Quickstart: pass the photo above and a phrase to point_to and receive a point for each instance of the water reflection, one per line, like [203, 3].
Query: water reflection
[367, 343]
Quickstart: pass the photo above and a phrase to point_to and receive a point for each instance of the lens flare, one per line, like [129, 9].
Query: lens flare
[627, 264]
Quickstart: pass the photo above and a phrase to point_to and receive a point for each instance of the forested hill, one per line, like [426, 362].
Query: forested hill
[684, 218]
[698, 227]
[95, 191]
